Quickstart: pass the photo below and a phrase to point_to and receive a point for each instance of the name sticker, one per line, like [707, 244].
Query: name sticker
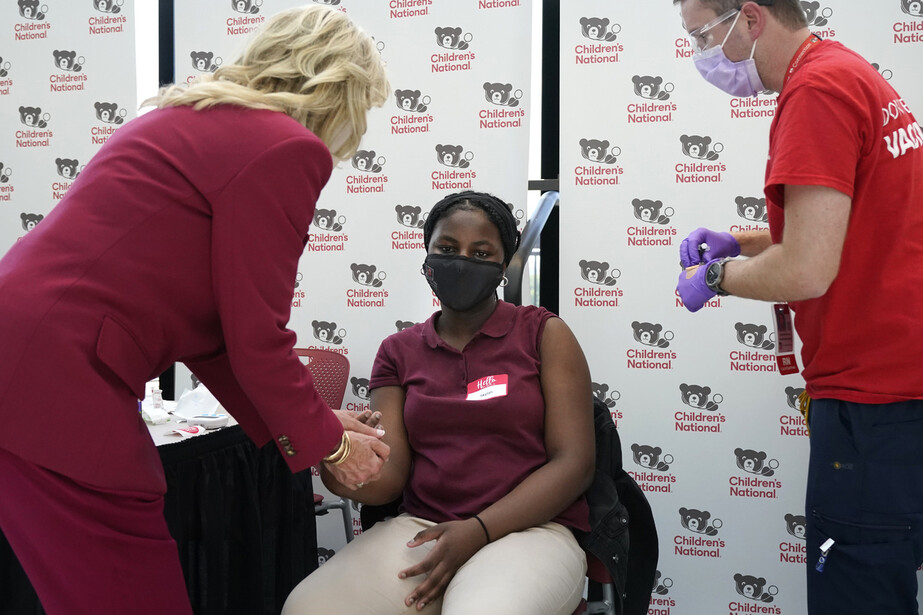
[785, 339]
[488, 387]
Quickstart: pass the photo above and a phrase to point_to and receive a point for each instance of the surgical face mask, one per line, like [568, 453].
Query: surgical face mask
[459, 282]
[735, 78]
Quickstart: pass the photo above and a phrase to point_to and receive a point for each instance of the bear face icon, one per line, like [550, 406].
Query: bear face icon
[67, 60]
[109, 113]
[411, 100]
[502, 94]
[326, 219]
[5, 173]
[791, 397]
[410, 216]
[697, 521]
[360, 387]
[601, 392]
[754, 588]
[647, 86]
[597, 29]
[752, 209]
[249, 7]
[327, 332]
[67, 167]
[30, 9]
[815, 16]
[108, 6]
[33, 117]
[753, 336]
[696, 396]
[324, 554]
[453, 156]
[914, 8]
[649, 211]
[649, 334]
[204, 61]
[4, 68]
[649, 457]
[596, 150]
[365, 161]
[30, 220]
[452, 38]
[796, 525]
[403, 324]
[328, 2]
[698, 147]
[596, 272]
[754, 462]
[365, 275]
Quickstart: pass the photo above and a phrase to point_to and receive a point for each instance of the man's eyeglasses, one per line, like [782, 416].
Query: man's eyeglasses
[702, 37]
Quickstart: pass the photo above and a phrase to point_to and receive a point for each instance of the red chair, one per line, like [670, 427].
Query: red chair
[330, 371]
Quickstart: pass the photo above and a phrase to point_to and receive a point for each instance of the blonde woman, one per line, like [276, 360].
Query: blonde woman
[178, 242]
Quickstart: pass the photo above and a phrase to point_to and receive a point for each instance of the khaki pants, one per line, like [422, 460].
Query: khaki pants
[534, 572]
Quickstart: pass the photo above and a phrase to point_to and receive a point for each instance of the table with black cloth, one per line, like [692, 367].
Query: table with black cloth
[243, 523]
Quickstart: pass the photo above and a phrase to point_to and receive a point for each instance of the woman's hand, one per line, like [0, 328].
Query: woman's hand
[456, 542]
[363, 465]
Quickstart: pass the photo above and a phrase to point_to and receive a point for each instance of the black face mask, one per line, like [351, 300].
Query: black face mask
[460, 282]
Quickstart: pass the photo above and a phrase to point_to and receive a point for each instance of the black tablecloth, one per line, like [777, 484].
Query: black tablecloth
[243, 523]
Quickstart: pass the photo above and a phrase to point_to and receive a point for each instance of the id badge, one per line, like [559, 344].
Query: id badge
[785, 339]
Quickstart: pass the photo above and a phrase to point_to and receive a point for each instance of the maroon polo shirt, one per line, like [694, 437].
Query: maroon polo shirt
[475, 418]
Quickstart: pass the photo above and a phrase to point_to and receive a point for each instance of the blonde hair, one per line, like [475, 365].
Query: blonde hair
[312, 63]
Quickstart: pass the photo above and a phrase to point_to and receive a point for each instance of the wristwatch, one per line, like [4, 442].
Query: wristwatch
[714, 275]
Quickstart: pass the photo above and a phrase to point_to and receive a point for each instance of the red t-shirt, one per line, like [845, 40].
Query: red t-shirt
[840, 124]
[475, 419]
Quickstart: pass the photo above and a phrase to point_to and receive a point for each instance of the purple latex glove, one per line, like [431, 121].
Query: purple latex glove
[720, 245]
[692, 288]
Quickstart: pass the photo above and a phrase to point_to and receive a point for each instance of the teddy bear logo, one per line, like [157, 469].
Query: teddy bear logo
[697, 397]
[662, 584]
[453, 38]
[598, 29]
[796, 525]
[651, 87]
[412, 100]
[602, 393]
[366, 275]
[67, 167]
[29, 221]
[754, 588]
[596, 272]
[698, 521]
[108, 6]
[597, 150]
[816, 16]
[328, 2]
[328, 220]
[753, 336]
[502, 94]
[298, 278]
[4, 68]
[649, 457]
[5, 173]
[410, 216]
[248, 7]
[205, 61]
[30, 9]
[453, 156]
[914, 8]
[365, 161]
[327, 332]
[700, 148]
[885, 73]
[324, 554]
[109, 112]
[33, 117]
[754, 462]
[649, 334]
[791, 397]
[68, 60]
[360, 387]
[403, 324]
[651, 212]
[752, 209]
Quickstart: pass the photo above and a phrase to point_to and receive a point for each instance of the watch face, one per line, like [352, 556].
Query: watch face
[713, 274]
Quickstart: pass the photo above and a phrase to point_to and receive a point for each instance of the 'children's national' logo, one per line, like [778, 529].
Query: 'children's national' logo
[248, 7]
[328, 220]
[596, 272]
[699, 521]
[370, 177]
[205, 61]
[649, 334]
[700, 147]
[604, 171]
[68, 60]
[914, 8]
[599, 29]
[67, 167]
[502, 94]
[453, 38]
[751, 209]
[411, 216]
[651, 87]
[412, 101]
[753, 336]
[371, 280]
[602, 393]
[327, 332]
[654, 475]
[598, 151]
[33, 117]
[30, 9]
[365, 161]
[650, 457]
[5, 173]
[704, 528]
[754, 462]
[453, 156]
[367, 275]
[753, 588]
[108, 6]
[651, 212]
[29, 221]
[697, 397]
[817, 17]
[109, 112]
[656, 341]
[602, 47]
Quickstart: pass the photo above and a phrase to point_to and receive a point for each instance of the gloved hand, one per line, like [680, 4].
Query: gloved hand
[692, 288]
[720, 245]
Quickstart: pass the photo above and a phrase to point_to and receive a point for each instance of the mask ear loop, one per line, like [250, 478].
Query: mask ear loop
[504, 281]
[731, 29]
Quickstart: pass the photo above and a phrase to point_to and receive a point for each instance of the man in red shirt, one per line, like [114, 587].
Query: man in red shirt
[844, 189]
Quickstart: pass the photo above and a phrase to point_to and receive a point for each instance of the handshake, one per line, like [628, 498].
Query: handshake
[697, 253]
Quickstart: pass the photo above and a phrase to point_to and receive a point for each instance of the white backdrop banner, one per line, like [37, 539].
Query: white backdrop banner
[67, 82]
[458, 119]
[649, 152]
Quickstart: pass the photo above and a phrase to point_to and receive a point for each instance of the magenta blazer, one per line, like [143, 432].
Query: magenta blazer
[180, 241]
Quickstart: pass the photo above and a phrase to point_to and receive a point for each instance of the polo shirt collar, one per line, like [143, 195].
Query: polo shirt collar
[497, 325]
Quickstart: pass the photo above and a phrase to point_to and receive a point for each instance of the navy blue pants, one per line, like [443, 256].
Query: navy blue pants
[865, 491]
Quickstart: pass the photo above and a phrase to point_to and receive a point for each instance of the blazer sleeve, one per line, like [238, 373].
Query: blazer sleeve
[259, 222]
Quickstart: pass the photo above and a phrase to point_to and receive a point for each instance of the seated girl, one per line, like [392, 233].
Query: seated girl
[487, 408]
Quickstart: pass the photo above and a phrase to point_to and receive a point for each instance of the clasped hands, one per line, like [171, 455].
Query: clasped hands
[367, 454]
[696, 252]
